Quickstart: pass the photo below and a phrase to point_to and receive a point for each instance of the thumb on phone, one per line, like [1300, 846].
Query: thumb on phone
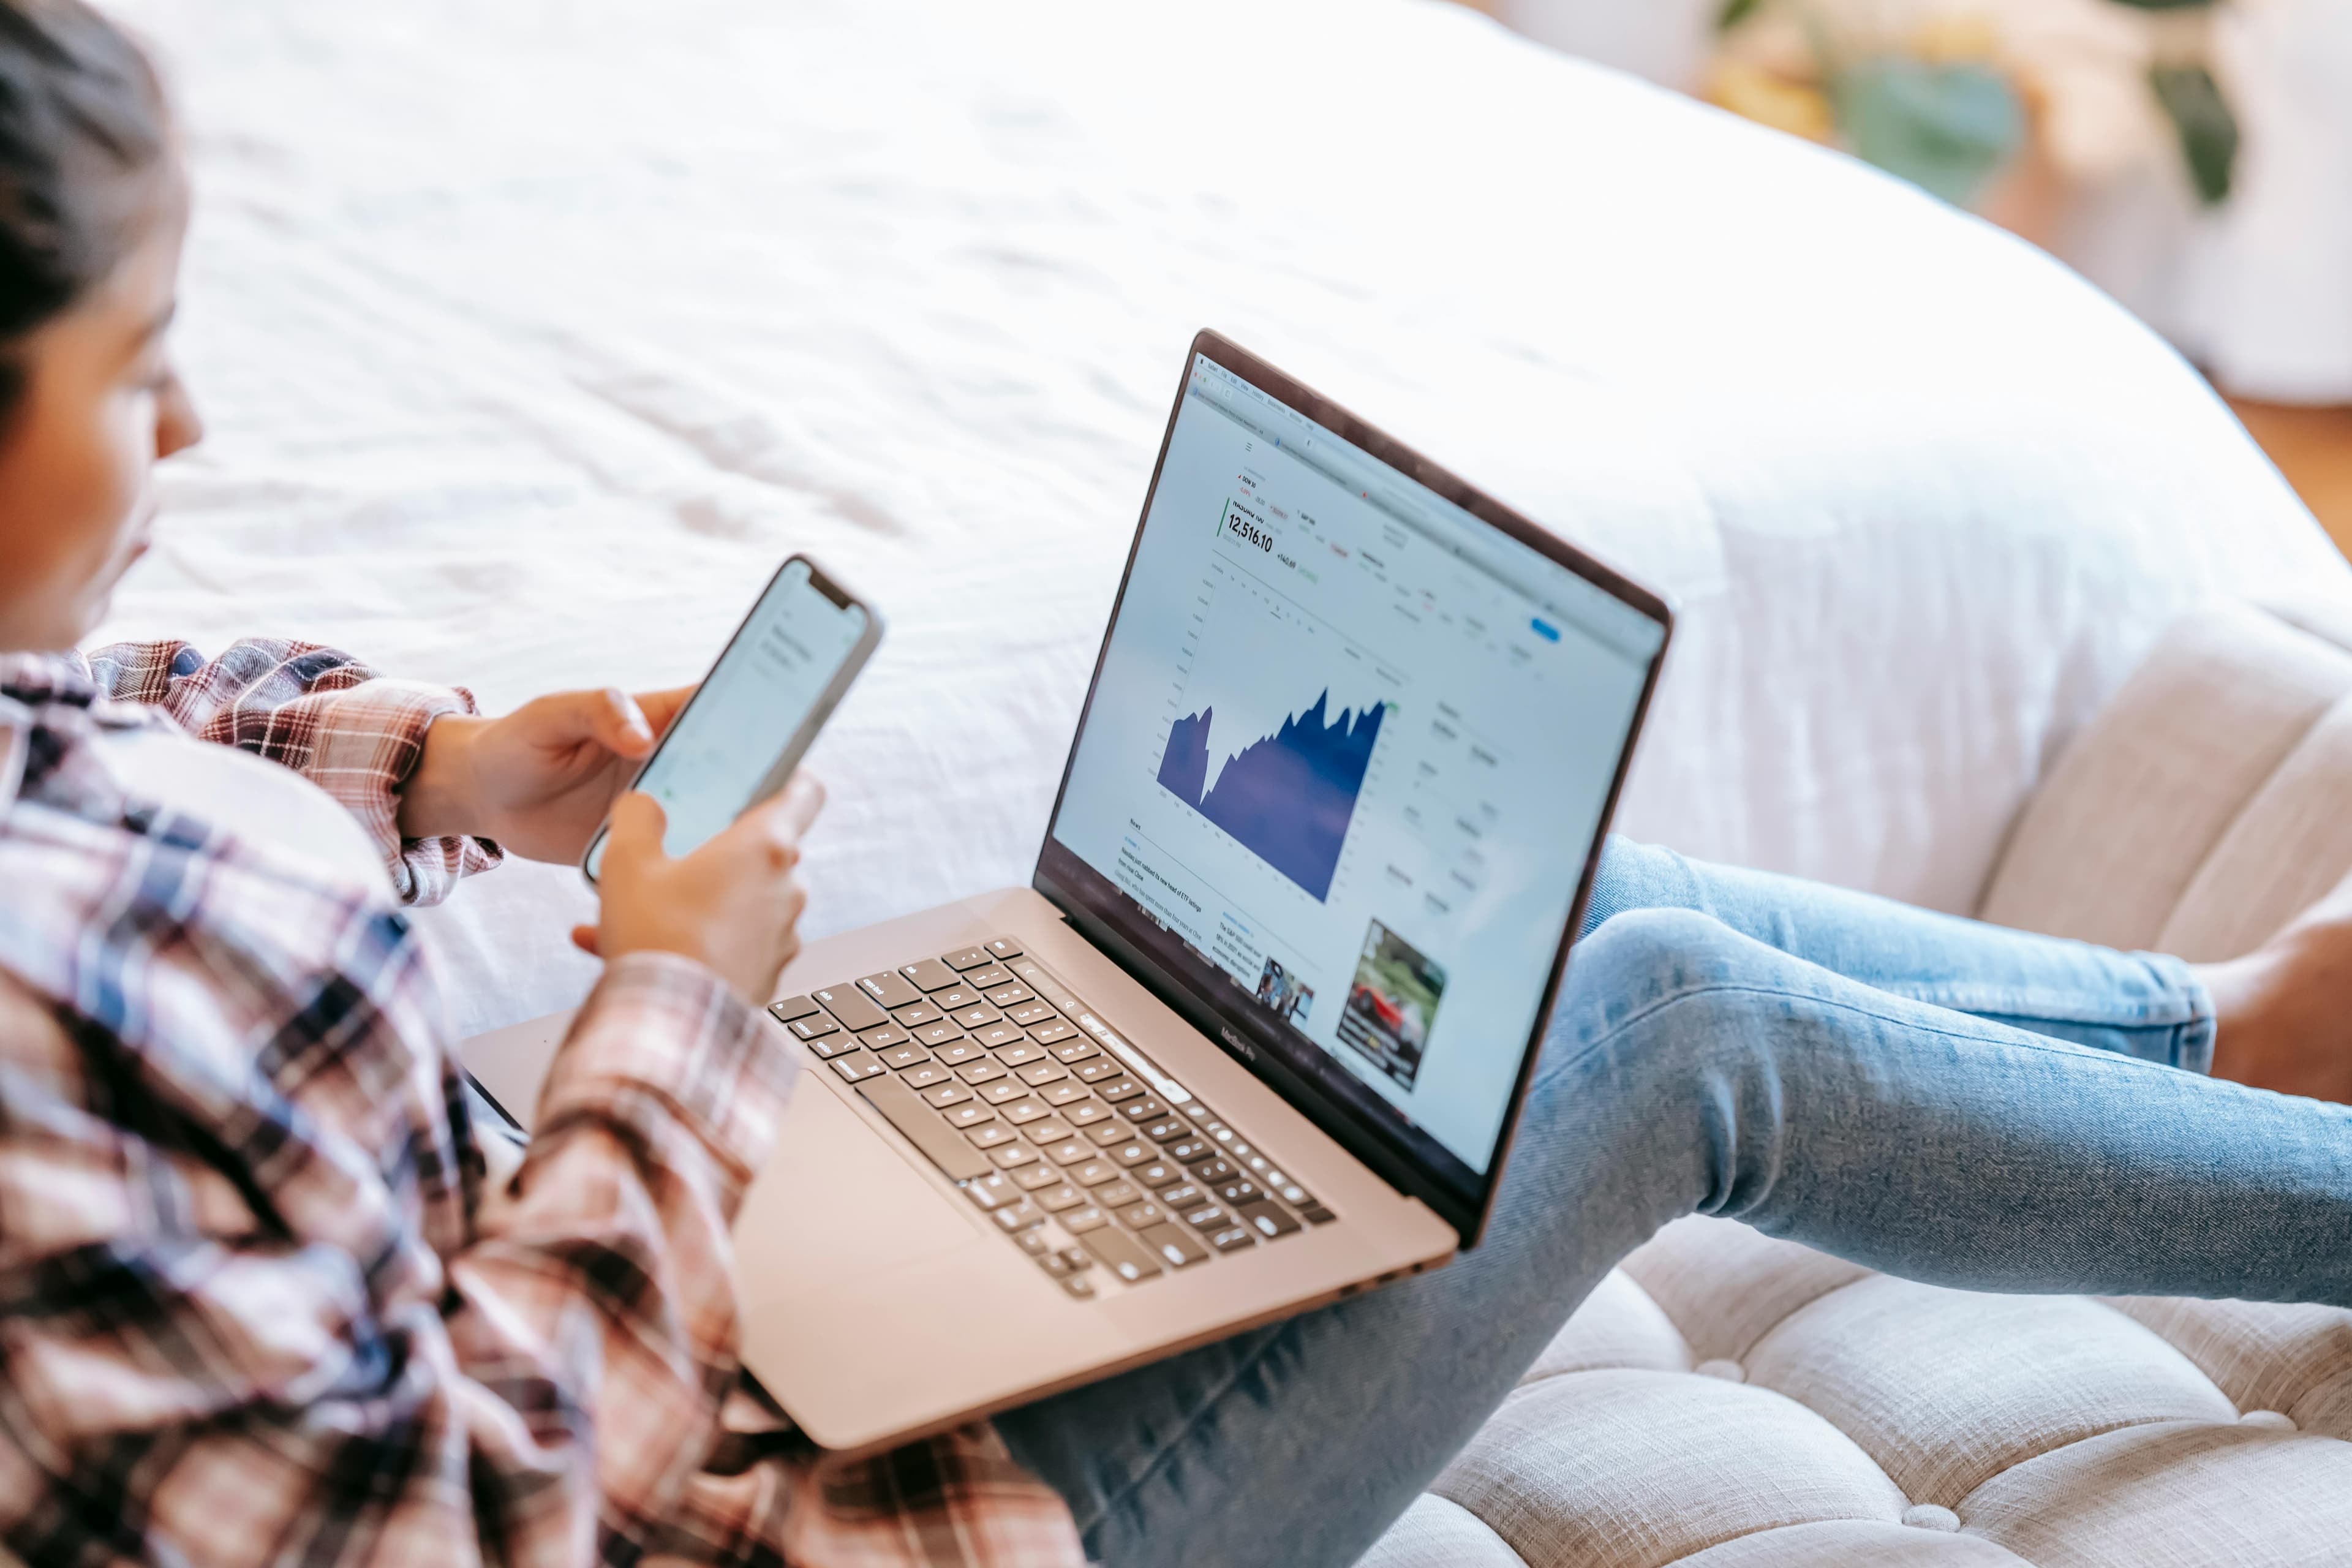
[635, 828]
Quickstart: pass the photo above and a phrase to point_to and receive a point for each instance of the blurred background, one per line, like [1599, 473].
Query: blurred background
[2191, 157]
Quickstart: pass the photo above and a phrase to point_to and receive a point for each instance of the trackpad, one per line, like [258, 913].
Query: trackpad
[837, 1200]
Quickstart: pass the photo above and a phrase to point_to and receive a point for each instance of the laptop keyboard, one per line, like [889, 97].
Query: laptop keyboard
[1082, 1151]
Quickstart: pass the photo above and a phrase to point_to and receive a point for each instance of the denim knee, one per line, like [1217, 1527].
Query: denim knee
[1642, 958]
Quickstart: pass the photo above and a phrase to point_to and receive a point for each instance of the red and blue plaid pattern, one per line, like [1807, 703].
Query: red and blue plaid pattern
[258, 1300]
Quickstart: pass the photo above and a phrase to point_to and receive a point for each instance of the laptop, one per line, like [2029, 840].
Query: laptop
[1256, 1034]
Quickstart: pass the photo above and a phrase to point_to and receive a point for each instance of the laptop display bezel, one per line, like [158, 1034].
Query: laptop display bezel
[1412, 1161]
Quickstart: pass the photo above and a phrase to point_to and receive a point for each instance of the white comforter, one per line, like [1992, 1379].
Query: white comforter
[533, 333]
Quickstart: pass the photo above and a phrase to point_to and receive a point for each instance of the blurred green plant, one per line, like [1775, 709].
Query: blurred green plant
[1950, 125]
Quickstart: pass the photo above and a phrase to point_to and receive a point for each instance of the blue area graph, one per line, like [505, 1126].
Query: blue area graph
[1289, 796]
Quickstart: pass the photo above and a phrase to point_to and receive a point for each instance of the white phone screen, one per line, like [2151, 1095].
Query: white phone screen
[751, 704]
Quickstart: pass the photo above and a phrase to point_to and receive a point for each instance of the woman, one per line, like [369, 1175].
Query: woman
[261, 1295]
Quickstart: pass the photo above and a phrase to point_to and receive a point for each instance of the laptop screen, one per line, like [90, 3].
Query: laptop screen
[1346, 754]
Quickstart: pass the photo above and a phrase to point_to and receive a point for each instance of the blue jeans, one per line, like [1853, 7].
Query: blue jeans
[1937, 1098]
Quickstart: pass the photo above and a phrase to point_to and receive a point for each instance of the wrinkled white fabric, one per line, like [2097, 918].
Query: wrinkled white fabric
[533, 335]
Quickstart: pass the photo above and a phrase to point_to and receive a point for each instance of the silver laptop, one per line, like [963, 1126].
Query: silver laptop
[1255, 1036]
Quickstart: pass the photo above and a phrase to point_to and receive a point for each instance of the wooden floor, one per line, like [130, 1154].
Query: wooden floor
[2313, 447]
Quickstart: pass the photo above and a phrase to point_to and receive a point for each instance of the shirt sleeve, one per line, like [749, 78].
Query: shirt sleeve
[322, 713]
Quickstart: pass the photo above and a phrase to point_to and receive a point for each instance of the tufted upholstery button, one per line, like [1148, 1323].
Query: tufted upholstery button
[1728, 1371]
[1927, 1516]
[2269, 1420]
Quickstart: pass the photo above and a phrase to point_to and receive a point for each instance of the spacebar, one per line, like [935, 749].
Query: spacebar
[921, 1124]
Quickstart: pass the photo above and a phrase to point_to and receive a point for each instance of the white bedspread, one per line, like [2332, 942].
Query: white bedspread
[533, 333]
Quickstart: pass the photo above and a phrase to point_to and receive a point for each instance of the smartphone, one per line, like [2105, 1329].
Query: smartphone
[742, 734]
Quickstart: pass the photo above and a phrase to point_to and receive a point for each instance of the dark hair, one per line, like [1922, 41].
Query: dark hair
[83, 132]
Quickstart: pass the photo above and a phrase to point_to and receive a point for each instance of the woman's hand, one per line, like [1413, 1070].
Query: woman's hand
[539, 780]
[734, 904]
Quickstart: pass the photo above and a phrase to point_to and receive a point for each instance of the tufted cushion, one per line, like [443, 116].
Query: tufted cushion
[1728, 1401]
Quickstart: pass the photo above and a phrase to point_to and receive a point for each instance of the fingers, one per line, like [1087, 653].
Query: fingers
[584, 939]
[615, 720]
[661, 707]
[634, 830]
[782, 820]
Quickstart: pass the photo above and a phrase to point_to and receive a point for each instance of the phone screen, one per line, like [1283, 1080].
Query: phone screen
[750, 705]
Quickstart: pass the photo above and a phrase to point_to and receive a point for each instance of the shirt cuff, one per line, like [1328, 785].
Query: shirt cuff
[662, 1023]
[370, 739]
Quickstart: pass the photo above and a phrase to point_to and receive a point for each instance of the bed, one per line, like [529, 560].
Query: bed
[533, 336]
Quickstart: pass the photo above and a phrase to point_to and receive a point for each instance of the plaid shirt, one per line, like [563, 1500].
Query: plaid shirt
[259, 1301]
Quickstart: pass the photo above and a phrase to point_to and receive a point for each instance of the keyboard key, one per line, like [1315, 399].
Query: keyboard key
[834, 1045]
[1119, 1194]
[1001, 1091]
[1240, 1190]
[1212, 1127]
[940, 1034]
[1108, 1132]
[1094, 1172]
[1077, 1286]
[1012, 1156]
[947, 1094]
[1159, 1174]
[1140, 1216]
[1028, 1013]
[916, 1017]
[988, 979]
[1036, 1243]
[970, 1114]
[1058, 1031]
[927, 975]
[1029, 1178]
[979, 1016]
[1078, 1257]
[1037, 1075]
[1151, 1108]
[1019, 1217]
[1210, 1216]
[1117, 1090]
[1008, 996]
[1054, 1199]
[1181, 1196]
[969, 958]
[886, 1036]
[1213, 1171]
[1068, 1151]
[1077, 1222]
[1316, 1214]
[1232, 1239]
[1012, 1047]
[857, 1067]
[1119, 1254]
[1097, 1071]
[1133, 1153]
[1055, 1264]
[992, 1191]
[1023, 1110]
[1004, 947]
[987, 1135]
[812, 1028]
[902, 1055]
[792, 1008]
[905, 1110]
[1294, 1194]
[889, 989]
[982, 1071]
[1064, 1093]
[1267, 1219]
[1167, 1130]
[959, 996]
[923, 1076]
[1086, 1115]
[960, 1050]
[1180, 1251]
[1053, 1130]
[855, 1009]
[1192, 1149]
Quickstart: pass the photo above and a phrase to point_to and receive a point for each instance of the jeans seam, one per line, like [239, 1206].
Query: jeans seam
[1714, 988]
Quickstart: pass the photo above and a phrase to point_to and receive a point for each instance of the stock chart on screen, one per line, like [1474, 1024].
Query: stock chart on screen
[1287, 796]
